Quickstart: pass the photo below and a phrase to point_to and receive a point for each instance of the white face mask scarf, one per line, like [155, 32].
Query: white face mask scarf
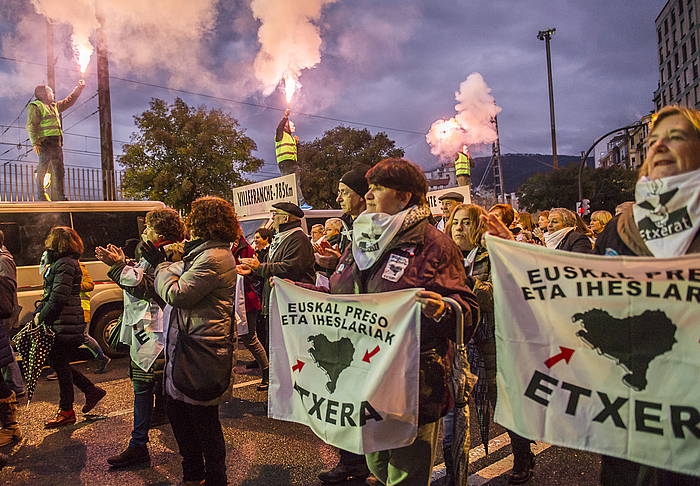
[552, 240]
[371, 233]
[667, 212]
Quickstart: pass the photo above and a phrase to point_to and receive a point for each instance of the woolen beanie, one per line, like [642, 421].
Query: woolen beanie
[400, 175]
[355, 180]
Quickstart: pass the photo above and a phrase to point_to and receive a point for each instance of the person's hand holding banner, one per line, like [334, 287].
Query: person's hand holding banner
[432, 304]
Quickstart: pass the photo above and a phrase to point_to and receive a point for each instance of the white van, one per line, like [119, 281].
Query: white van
[26, 225]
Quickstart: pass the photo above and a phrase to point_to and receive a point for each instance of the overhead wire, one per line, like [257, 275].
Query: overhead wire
[231, 100]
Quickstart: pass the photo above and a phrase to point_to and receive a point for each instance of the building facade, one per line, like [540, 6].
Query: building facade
[441, 177]
[629, 148]
[677, 33]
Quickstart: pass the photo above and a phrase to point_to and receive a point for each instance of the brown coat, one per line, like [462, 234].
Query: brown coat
[435, 264]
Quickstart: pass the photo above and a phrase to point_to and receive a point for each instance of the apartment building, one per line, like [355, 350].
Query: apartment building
[677, 44]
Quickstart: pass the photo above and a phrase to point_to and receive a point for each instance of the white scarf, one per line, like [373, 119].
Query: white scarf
[667, 212]
[470, 259]
[553, 239]
[372, 233]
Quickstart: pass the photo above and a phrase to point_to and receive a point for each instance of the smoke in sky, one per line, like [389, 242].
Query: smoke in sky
[290, 40]
[472, 124]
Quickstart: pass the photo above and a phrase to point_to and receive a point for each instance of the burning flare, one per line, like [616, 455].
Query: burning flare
[83, 53]
[291, 85]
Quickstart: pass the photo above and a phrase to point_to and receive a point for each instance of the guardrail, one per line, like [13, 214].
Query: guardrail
[18, 183]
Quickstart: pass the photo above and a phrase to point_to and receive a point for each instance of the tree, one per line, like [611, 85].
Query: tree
[324, 160]
[606, 188]
[181, 153]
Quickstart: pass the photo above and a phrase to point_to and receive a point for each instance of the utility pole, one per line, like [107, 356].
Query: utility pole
[497, 168]
[546, 36]
[105, 111]
[50, 59]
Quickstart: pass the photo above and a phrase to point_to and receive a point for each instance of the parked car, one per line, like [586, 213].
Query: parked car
[26, 225]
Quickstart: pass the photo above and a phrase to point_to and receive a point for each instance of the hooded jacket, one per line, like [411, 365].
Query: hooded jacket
[200, 289]
[60, 308]
[8, 304]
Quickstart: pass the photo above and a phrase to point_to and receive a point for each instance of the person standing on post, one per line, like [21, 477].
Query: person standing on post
[46, 135]
[286, 153]
[463, 168]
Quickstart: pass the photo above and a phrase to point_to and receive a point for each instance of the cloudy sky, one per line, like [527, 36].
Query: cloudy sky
[394, 64]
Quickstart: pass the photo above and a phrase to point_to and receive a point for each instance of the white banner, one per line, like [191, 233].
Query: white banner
[259, 197]
[434, 202]
[346, 365]
[599, 353]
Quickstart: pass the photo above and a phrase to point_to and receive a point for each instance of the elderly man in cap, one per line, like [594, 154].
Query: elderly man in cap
[448, 201]
[291, 254]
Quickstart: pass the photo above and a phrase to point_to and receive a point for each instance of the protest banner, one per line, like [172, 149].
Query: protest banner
[259, 197]
[346, 365]
[599, 353]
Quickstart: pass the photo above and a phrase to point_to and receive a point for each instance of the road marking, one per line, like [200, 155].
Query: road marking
[488, 473]
[475, 454]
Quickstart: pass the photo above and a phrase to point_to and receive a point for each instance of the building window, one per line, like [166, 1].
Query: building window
[675, 60]
[668, 47]
[670, 92]
[661, 56]
[680, 7]
[697, 99]
[686, 78]
[673, 17]
[659, 33]
[682, 27]
[695, 70]
[691, 15]
[678, 86]
[668, 68]
[666, 25]
[684, 53]
[693, 46]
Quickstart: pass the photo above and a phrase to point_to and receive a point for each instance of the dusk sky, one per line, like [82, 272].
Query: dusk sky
[389, 63]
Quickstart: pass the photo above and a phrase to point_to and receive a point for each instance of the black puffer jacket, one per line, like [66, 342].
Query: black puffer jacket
[60, 308]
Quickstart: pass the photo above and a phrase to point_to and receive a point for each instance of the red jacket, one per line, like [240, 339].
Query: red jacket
[242, 249]
[435, 264]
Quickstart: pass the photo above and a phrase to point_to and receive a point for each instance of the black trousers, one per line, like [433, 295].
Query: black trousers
[51, 158]
[59, 358]
[200, 439]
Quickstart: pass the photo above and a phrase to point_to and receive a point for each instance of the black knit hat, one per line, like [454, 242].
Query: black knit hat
[355, 180]
[400, 175]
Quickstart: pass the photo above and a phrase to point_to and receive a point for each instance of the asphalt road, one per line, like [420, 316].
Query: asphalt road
[260, 451]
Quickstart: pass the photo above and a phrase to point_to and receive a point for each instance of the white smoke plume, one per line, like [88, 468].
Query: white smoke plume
[473, 123]
[290, 40]
[153, 37]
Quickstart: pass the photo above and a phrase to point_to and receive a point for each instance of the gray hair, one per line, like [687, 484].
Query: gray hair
[335, 223]
[567, 216]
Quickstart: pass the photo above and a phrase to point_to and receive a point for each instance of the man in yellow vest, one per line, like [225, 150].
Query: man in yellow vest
[463, 167]
[286, 153]
[46, 134]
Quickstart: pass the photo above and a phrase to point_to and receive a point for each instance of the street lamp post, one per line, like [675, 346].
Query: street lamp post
[546, 36]
[590, 149]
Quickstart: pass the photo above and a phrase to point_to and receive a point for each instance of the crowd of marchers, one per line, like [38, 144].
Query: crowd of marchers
[188, 284]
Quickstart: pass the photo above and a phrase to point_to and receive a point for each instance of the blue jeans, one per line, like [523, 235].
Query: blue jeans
[143, 408]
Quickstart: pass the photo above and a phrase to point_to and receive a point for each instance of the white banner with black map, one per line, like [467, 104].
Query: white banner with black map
[599, 353]
[346, 365]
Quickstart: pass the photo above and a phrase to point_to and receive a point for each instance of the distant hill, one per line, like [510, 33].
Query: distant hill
[518, 167]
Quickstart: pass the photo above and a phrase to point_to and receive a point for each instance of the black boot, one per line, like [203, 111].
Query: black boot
[265, 383]
[131, 456]
[523, 459]
[342, 472]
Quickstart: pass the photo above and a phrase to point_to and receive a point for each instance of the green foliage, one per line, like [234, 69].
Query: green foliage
[181, 153]
[606, 188]
[324, 160]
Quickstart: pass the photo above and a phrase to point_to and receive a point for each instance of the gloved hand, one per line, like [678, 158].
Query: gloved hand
[153, 255]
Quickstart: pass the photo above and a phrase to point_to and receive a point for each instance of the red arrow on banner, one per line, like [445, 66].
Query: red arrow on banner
[566, 354]
[298, 366]
[369, 354]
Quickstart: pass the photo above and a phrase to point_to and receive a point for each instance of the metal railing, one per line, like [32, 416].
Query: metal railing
[18, 183]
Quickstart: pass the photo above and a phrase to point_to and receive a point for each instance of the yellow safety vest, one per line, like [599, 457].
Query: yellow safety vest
[463, 164]
[50, 123]
[286, 149]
